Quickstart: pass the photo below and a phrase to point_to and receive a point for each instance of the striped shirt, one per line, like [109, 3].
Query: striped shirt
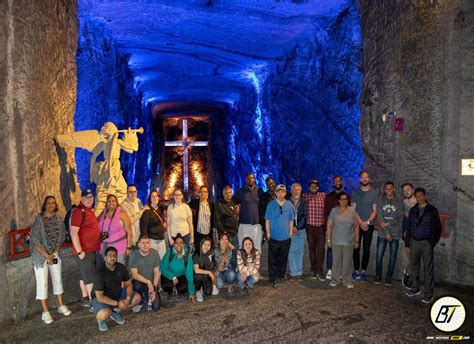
[204, 219]
[252, 267]
[315, 208]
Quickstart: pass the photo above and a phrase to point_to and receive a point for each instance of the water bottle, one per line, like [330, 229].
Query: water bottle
[149, 306]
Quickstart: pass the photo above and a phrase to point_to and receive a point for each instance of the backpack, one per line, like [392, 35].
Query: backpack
[67, 222]
[186, 255]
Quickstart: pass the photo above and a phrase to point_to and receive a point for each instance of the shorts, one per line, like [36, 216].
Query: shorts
[87, 267]
[97, 306]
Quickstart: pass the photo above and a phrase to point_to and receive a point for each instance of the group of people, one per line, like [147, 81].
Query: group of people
[129, 252]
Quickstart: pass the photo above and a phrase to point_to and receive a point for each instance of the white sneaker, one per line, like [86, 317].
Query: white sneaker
[137, 308]
[332, 284]
[350, 286]
[199, 296]
[329, 274]
[64, 310]
[46, 317]
[215, 290]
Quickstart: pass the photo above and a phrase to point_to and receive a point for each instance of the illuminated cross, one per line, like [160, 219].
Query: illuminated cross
[185, 144]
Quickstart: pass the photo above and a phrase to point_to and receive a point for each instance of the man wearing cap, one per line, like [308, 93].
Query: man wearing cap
[266, 198]
[279, 219]
[249, 197]
[85, 235]
[315, 231]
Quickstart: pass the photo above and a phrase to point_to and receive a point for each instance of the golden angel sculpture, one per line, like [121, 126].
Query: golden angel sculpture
[106, 174]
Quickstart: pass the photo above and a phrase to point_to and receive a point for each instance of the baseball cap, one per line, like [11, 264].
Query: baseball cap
[280, 187]
[314, 181]
[87, 192]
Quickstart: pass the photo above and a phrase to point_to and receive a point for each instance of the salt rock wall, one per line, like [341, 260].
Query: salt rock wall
[419, 65]
[300, 120]
[38, 41]
[105, 92]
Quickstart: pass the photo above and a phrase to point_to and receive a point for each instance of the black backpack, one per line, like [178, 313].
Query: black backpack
[67, 222]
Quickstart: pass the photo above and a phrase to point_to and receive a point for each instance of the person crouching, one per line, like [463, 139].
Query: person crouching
[110, 297]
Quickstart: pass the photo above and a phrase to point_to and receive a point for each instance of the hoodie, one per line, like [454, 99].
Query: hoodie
[391, 211]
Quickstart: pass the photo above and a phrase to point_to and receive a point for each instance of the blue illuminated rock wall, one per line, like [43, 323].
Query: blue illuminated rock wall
[305, 122]
[296, 115]
[105, 93]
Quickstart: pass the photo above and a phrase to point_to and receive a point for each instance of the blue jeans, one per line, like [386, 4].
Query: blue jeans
[329, 258]
[381, 246]
[234, 240]
[295, 256]
[250, 281]
[225, 277]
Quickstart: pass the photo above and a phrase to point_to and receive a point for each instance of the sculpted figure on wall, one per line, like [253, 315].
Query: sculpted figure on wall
[106, 173]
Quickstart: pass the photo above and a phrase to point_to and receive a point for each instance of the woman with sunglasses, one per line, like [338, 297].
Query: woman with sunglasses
[342, 236]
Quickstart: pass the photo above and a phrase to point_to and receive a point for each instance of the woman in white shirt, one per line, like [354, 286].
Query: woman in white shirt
[180, 220]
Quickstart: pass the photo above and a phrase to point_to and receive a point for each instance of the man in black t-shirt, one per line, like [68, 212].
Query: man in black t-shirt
[110, 298]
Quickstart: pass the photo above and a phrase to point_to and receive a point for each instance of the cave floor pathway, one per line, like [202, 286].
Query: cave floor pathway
[294, 312]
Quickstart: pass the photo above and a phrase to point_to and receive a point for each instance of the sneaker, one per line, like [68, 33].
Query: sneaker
[64, 310]
[329, 274]
[388, 281]
[427, 299]
[102, 325]
[356, 276]
[274, 284]
[363, 277]
[406, 281]
[314, 276]
[215, 290]
[332, 284]
[117, 318]
[320, 278]
[378, 279]
[46, 317]
[299, 278]
[350, 286]
[413, 292]
[137, 308]
[199, 296]
[85, 302]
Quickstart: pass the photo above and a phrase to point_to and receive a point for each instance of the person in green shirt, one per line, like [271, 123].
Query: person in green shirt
[177, 275]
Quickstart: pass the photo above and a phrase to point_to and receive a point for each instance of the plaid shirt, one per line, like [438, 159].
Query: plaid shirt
[315, 208]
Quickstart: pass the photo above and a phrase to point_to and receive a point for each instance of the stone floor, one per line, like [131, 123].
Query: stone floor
[294, 312]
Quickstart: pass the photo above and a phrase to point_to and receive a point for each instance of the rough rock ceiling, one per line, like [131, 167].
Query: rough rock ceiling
[192, 50]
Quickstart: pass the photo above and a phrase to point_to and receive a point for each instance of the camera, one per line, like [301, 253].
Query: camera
[104, 236]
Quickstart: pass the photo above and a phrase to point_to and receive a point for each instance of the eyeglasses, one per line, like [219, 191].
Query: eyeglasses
[281, 210]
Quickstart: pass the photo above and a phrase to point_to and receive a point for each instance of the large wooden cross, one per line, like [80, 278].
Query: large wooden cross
[185, 144]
